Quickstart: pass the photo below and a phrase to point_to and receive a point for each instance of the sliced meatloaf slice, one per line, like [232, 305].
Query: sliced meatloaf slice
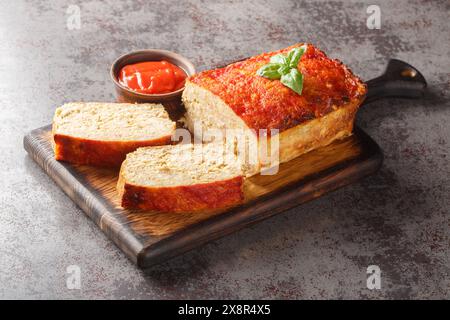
[101, 134]
[180, 178]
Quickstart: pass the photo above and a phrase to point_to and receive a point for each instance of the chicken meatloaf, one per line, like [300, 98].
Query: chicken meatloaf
[101, 134]
[235, 97]
[180, 178]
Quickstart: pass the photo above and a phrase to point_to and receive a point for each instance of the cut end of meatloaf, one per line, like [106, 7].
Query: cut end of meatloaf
[180, 178]
[101, 134]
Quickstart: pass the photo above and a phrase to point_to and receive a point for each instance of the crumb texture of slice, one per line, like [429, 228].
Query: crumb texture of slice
[101, 134]
[181, 178]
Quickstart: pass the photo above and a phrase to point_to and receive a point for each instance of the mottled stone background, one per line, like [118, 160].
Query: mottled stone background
[398, 219]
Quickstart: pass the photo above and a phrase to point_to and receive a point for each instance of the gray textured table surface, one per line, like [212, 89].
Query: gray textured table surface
[398, 219]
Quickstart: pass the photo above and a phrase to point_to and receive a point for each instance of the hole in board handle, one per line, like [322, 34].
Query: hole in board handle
[409, 73]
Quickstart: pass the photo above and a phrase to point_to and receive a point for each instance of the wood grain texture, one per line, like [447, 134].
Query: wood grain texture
[148, 238]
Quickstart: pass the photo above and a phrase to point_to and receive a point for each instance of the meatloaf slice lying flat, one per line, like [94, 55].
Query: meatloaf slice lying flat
[101, 134]
[235, 97]
[180, 178]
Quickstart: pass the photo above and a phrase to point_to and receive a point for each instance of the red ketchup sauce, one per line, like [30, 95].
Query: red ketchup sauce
[152, 77]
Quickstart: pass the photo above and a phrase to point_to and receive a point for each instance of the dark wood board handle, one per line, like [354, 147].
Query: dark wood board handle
[399, 80]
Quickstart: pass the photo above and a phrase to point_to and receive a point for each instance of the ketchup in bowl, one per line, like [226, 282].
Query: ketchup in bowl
[152, 77]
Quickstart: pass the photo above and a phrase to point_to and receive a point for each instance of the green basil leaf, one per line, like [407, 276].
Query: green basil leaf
[289, 56]
[270, 71]
[284, 70]
[293, 80]
[279, 58]
[295, 54]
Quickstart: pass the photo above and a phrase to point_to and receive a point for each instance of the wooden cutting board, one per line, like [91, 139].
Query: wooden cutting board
[148, 238]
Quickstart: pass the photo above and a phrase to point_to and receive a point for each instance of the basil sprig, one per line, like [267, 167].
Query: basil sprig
[284, 68]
